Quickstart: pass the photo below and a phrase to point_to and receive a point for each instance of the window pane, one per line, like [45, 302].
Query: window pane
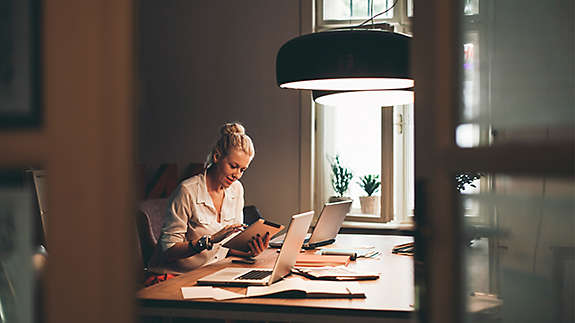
[520, 260]
[355, 9]
[518, 80]
[353, 133]
[18, 242]
[471, 7]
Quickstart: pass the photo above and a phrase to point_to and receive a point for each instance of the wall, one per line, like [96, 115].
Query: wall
[203, 63]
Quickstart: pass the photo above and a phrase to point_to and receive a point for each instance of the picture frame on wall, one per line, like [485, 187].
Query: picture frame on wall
[20, 72]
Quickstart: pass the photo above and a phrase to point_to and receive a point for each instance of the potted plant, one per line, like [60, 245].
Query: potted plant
[370, 203]
[466, 178]
[340, 179]
[463, 179]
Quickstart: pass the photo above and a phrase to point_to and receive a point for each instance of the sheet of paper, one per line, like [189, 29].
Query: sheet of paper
[309, 286]
[209, 292]
[340, 272]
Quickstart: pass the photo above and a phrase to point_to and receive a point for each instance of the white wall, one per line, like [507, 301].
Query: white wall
[203, 63]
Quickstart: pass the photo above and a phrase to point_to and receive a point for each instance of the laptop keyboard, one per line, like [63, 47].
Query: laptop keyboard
[255, 274]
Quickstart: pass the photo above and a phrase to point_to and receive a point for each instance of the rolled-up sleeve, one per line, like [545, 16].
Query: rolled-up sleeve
[176, 221]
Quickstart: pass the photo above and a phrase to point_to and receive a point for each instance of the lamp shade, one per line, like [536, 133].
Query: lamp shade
[355, 59]
[364, 98]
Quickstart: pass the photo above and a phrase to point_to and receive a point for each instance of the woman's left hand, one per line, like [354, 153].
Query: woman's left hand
[226, 231]
[258, 244]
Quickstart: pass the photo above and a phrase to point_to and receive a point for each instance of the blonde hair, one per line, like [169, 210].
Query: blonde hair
[232, 136]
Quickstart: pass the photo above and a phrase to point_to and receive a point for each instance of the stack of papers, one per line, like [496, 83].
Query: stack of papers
[315, 260]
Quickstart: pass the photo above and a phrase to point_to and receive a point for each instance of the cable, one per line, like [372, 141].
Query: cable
[379, 14]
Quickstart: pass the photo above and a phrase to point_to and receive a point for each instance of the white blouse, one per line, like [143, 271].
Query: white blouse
[192, 214]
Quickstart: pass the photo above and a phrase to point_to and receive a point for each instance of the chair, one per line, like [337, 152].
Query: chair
[149, 220]
[149, 226]
[251, 214]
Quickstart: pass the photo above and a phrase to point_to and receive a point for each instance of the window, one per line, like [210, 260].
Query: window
[356, 139]
[340, 13]
[359, 134]
[346, 10]
[369, 140]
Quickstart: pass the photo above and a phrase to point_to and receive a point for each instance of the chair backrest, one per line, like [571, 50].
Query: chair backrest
[149, 224]
[149, 221]
[251, 214]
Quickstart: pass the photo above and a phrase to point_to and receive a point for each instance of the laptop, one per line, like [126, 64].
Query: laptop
[298, 226]
[326, 228]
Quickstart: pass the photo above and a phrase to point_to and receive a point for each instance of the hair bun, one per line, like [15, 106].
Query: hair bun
[232, 128]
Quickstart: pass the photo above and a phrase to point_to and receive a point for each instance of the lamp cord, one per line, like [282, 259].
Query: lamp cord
[379, 14]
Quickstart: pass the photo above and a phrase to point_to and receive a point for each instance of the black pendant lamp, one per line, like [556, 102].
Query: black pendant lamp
[345, 60]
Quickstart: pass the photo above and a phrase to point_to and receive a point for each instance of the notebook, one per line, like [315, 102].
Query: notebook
[326, 228]
[299, 224]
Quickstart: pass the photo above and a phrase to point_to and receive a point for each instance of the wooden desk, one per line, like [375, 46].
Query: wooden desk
[391, 297]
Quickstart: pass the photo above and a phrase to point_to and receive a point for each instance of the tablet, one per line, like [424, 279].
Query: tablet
[261, 226]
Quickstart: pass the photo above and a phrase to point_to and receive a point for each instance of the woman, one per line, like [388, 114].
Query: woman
[207, 208]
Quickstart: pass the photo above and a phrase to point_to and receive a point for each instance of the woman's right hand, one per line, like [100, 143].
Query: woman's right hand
[226, 231]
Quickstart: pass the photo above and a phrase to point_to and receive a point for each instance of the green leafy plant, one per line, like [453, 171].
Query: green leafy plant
[369, 183]
[340, 176]
[466, 178]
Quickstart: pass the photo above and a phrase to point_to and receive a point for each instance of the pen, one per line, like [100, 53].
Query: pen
[404, 245]
[352, 255]
[404, 250]
[373, 255]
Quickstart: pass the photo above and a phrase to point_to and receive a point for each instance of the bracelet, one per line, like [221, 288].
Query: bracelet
[204, 243]
[192, 246]
[209, 242]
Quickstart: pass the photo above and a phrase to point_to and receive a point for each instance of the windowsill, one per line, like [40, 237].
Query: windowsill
[377, 228]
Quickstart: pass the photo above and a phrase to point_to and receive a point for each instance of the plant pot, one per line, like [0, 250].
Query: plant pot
[369, 204]
[338, 198]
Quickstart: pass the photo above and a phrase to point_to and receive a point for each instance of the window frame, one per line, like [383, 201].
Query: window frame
[402, 125]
